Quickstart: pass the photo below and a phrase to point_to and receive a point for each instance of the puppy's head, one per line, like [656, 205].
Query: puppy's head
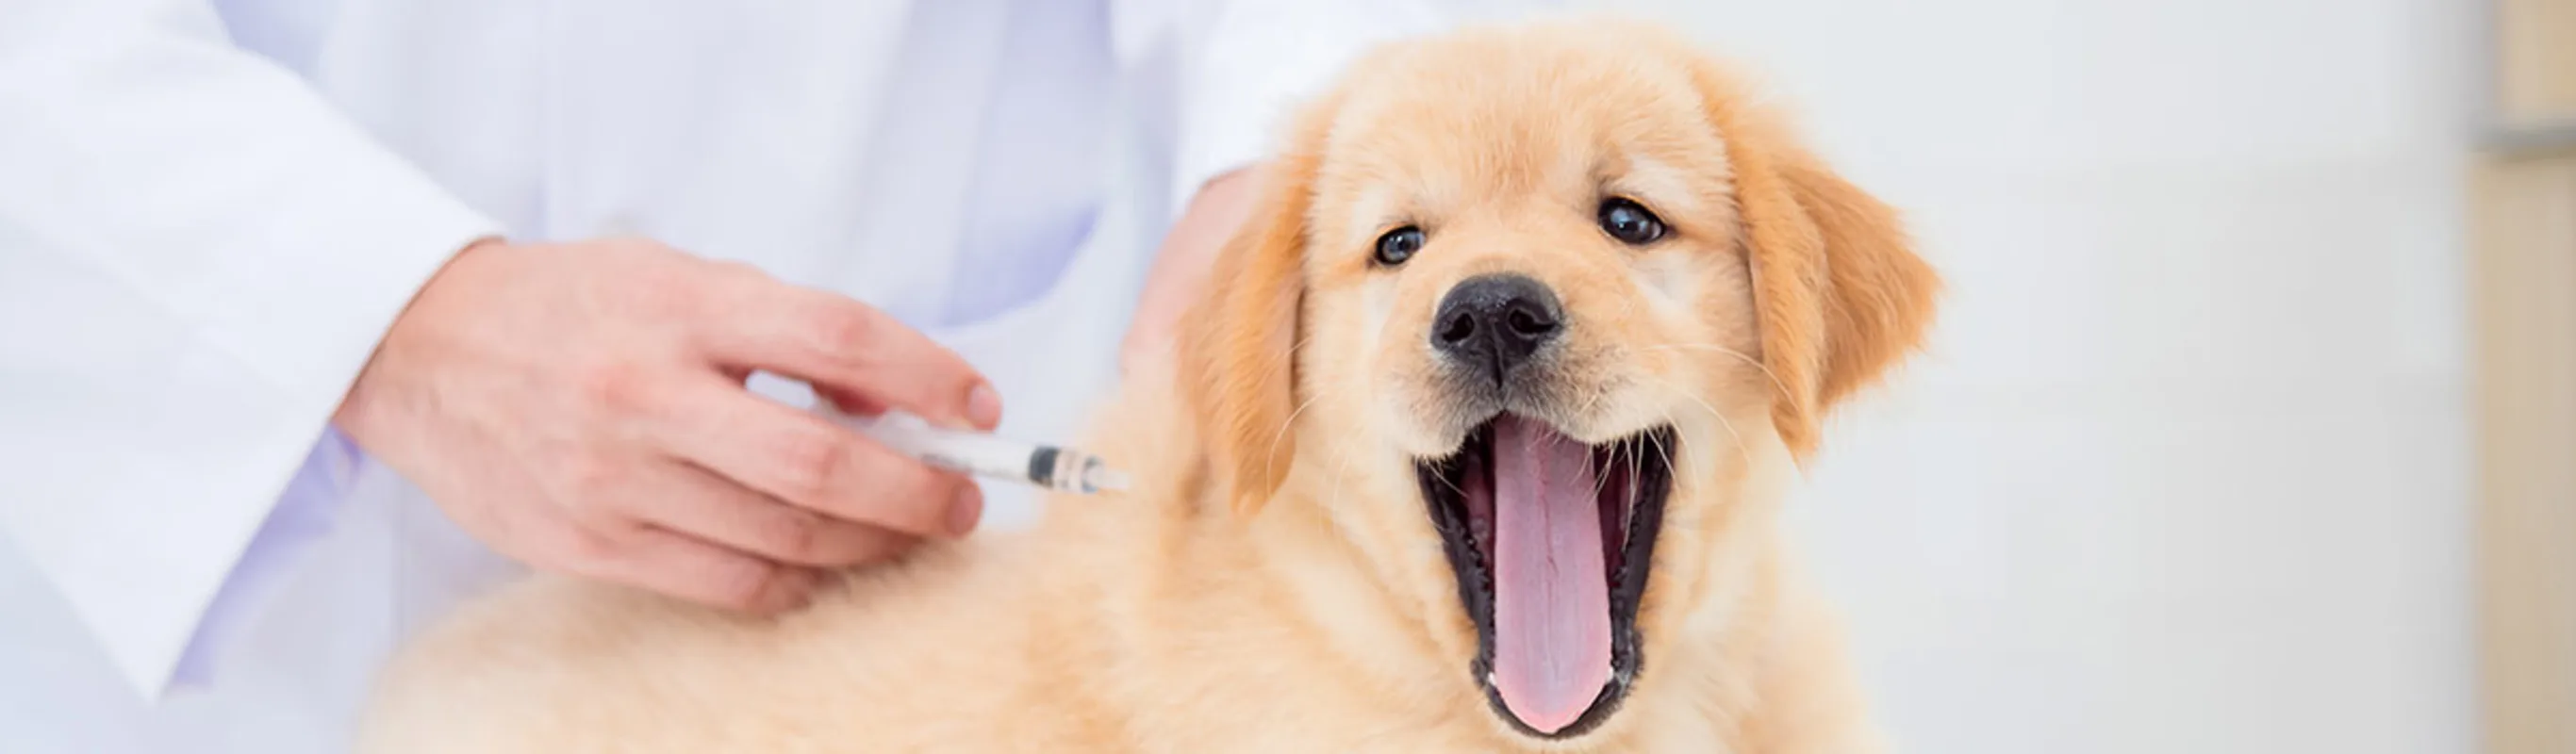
[1532, 313]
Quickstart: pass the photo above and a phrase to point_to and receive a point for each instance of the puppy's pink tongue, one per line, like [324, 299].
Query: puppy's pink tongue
[1551, 594]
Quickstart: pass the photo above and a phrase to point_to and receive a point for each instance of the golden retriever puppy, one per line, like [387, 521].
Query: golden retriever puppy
[1477, 445]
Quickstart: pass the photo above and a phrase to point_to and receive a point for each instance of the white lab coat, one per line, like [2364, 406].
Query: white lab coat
[210, 211]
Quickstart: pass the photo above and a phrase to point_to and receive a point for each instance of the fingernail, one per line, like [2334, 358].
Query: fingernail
[984, 407]
[967, 509]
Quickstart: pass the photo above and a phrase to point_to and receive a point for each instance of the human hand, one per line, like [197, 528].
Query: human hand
[580, 407]
[1182, 264]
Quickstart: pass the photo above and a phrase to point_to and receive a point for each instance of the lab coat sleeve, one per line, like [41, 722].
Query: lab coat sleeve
[197, 255]
[1243, 67]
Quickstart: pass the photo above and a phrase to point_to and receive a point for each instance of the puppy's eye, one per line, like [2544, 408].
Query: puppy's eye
[1630, 222]
[1398, 245]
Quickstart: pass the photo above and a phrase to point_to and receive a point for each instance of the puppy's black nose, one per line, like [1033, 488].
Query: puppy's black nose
[1495, 322]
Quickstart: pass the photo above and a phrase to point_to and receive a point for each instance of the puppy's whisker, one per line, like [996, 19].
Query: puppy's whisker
[1727, 351]
[1270, 455]
[1453, 486]
[1599, 394]
[1637, 465]
[1601, 479]
[1602, 392]
[1299, 346]
[1740, 448]
[1661, 448]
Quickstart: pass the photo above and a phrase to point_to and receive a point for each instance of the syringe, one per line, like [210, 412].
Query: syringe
[1049, 467]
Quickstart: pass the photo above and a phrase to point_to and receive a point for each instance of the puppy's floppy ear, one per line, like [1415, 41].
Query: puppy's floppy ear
[1237, 360]
[1838, 291]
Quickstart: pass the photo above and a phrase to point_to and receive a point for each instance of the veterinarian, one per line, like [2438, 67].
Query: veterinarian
[271, 269]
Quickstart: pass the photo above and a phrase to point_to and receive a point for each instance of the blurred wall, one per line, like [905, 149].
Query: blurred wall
[2188, 469]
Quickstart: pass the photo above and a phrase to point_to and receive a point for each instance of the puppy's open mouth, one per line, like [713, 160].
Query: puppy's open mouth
[1551, 540]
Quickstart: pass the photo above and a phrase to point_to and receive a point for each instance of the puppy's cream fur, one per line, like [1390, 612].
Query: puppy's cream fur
[1273, 582]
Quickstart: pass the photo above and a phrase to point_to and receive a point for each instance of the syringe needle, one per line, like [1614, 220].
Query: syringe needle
[1099, 477]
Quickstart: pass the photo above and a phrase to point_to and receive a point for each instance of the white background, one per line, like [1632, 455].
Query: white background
[2188, 469]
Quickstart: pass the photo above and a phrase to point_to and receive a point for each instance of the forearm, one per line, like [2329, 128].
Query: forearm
[196, 254]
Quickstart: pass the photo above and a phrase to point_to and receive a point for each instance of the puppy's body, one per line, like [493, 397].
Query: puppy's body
[1146, 622]
[1276, 581]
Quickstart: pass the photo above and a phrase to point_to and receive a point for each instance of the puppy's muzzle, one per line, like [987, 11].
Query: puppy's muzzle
[1496, 325]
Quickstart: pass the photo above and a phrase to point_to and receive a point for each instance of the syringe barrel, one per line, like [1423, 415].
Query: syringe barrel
[1047, 466]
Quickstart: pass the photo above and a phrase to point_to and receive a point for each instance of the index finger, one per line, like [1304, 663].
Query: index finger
[849, 351]
[808, 462]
